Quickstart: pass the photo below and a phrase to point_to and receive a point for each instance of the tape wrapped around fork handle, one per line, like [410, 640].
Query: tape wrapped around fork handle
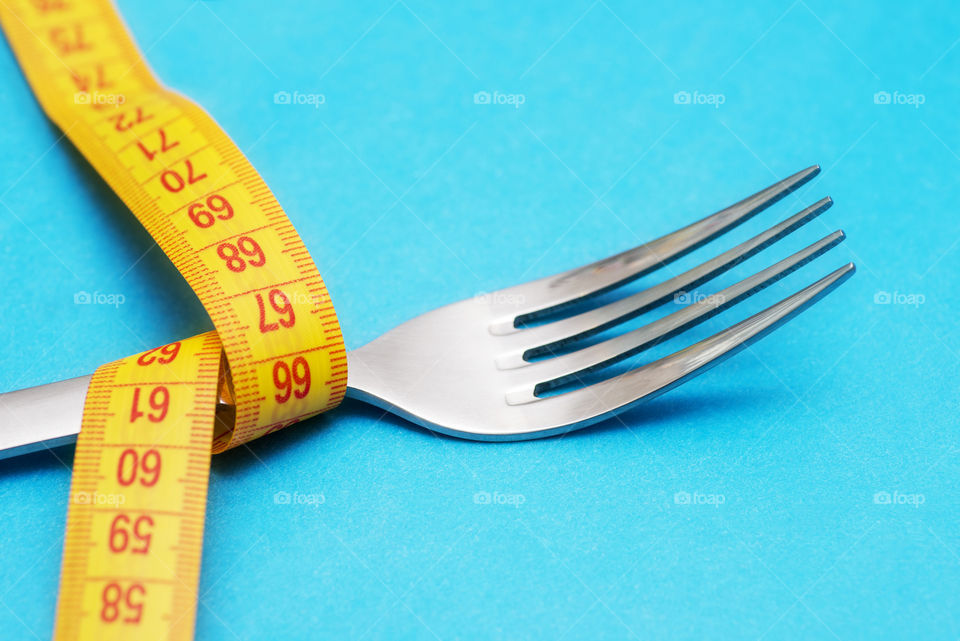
[132, 548]
[202, 202]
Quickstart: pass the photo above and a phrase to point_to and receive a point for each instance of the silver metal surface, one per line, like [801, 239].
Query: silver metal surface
[41, 417]
[468, 369]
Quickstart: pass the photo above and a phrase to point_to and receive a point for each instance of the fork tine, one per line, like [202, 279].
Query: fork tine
[549, 294]
[587, 405]
[554, 372]
[544, 339]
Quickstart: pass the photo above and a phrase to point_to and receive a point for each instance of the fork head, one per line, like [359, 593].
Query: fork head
[478, 369]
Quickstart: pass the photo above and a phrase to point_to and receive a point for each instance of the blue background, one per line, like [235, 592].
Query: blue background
[409, 195]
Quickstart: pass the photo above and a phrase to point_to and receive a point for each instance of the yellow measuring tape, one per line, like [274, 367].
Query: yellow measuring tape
[135, 522]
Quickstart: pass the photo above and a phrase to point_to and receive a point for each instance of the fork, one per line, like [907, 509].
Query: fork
[511, 365]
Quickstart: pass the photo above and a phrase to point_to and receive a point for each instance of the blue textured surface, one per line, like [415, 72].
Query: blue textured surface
[410, 195]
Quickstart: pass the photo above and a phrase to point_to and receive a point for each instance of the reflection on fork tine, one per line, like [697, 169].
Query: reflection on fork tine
[542, 339]
[556, 371]
[588, 404]
[549, 294]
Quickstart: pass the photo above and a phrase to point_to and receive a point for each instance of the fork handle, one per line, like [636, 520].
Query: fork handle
[41, 417]
[48, 416]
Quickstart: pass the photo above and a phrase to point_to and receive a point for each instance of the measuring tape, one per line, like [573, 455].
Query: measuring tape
[135, 522]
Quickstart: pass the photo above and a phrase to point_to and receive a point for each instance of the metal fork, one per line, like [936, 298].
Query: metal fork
[497, 367]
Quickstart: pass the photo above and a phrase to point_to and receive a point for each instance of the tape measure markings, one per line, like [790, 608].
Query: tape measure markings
[220, 225]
